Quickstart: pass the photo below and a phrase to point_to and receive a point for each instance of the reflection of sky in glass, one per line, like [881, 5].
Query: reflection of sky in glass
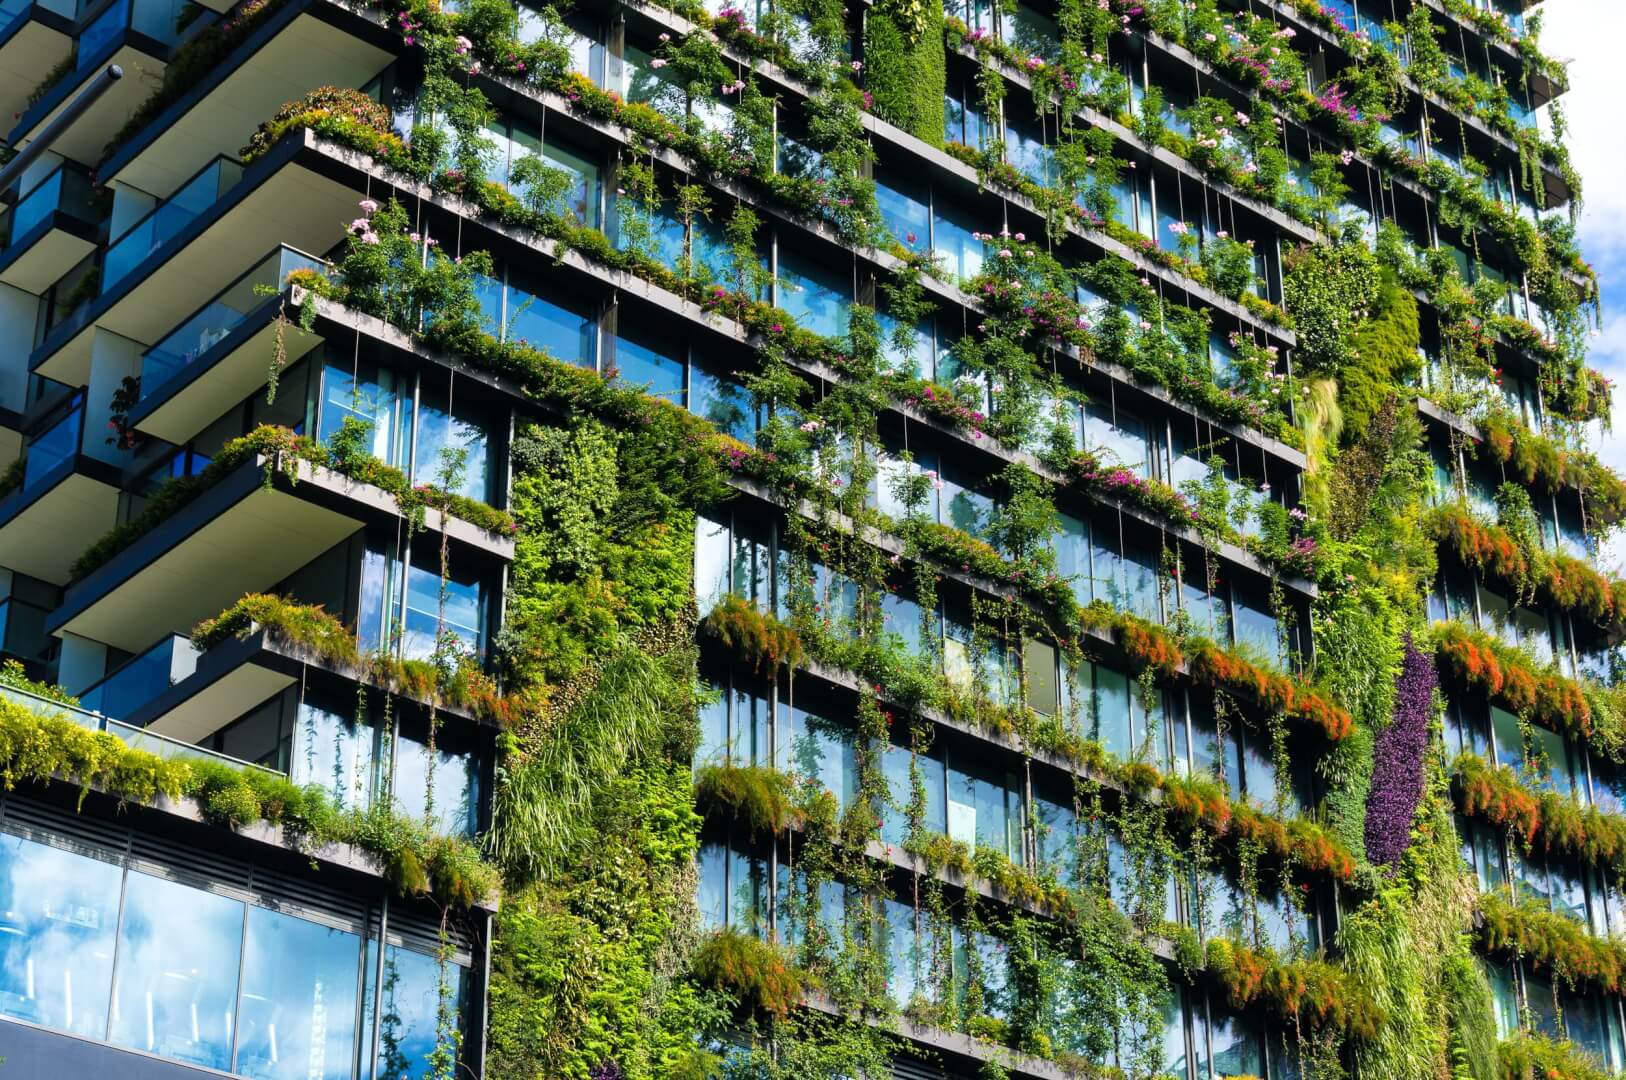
[455, 784]
[299, 999]
[422, 614]
[57, 916]
[178, 953]
[334, 752]
[411, 996]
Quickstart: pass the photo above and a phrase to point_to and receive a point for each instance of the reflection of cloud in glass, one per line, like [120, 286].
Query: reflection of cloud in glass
[57, 916]
[299, 999]
[177, 983]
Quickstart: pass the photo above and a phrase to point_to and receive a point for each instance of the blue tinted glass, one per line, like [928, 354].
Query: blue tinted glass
[178, 961]
[452, 779]
[815, 295]
[58, 915]
[299, 995]
[334, 752]
[420, 624]
[905, 212]
[442, 437]
[565, 334]
[411, 1003]
[724, 402]
[658, 375]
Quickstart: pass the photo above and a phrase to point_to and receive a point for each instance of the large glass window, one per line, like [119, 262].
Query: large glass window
[411, 988]
[202, 978]
[58, 914]
[447, 429]
[299, 993]
[177, 976]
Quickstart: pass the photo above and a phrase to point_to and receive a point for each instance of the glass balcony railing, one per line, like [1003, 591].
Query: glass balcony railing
[153, 743]
[22, 629]
[217, 319]
[142, 678]
[161, 20]
[59, 443]
[169, 217]
[67, 190]
[13, 10]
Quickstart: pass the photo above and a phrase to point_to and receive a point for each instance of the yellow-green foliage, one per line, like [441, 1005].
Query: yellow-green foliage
[761, 798]
[35, 749]
[1385, 354]
[905, 65]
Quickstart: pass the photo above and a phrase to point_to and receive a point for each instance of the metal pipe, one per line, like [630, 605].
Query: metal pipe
[98, 86]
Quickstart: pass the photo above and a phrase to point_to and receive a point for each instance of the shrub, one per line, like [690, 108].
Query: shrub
[755, 973]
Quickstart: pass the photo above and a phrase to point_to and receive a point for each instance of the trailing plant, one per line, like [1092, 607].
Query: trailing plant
[753, 972]
[36, 749]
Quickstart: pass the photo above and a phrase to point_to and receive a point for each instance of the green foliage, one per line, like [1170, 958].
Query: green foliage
[753, 972]
[760, 798]
[286, 451]
[36, 749]
[905, 65]
[1329, 290]
[1383, 358]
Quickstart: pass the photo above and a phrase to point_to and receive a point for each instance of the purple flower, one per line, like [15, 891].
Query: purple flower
[1397, 760]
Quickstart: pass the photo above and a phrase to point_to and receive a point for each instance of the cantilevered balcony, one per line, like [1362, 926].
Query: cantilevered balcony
[52, 227]
[164, 267]
[22, 630]
[137, 35]
[34, 39]
[243, 534]
[305, 44]
[221, 353]
[66, 498]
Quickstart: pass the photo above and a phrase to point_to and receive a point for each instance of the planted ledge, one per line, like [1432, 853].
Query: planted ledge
[164, 267]
[249, 530]
[300, 45]
[235, 676]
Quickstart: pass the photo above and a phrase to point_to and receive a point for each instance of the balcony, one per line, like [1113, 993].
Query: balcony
[222, 352]
[244, 534]
[50, 230]
[34, 39]
[139, 36]
[164, 268]
[234, 677]
[160, 745]
[22, 630]
[138, 680]
[305, 43]
[65, 500]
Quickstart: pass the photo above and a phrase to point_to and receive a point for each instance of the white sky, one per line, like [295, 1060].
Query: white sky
[1587, 33]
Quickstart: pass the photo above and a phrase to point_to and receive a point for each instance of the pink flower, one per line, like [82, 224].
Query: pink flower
[368, 206]
[657, 63]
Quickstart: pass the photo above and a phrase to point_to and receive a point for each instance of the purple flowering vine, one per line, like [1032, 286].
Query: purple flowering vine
[1397, 760]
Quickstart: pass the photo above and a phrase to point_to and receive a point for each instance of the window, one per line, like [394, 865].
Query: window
[452, 441]
[640, 360]
[297, 976]
[202, 978]
[60, 914]
[734, 728]
[815, 295]
[411, 1003]
[177, 981]
[375, 396]
[406, 614]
